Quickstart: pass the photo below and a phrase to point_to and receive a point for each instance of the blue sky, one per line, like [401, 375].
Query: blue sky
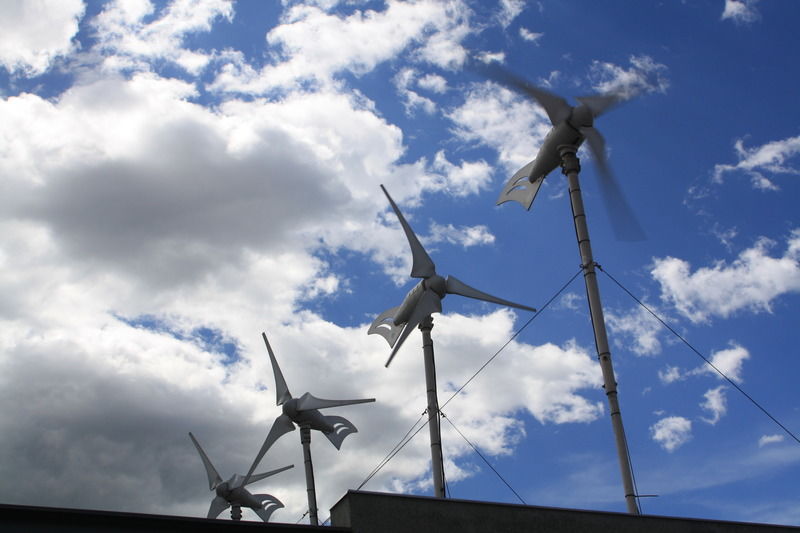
[178, 177]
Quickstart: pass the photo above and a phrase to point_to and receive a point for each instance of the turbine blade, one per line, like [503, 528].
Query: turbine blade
[384, 326]
[259, 477]
[213, 476]
[308, 402]
[456, 286]
[423, 266]
[218, 504]
[282, 425]
[557, 109]
[342, 427]
[428, 304]
[282, 394]
[623, 221]
[600, 103]
[520, 188]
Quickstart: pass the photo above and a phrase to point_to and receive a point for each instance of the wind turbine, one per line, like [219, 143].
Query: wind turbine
[233, 494]
[571, 126]
[304, 412]
[424, 299]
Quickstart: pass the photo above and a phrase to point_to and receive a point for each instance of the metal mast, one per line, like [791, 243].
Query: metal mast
[570, 167]
[305, 439]
[437, 460]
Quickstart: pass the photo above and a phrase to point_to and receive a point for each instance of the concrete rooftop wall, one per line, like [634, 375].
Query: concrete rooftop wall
[373, 512]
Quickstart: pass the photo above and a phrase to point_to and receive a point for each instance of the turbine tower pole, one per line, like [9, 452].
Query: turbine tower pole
[437, 462]
[571, 167]
[305, 440]
[236, 512]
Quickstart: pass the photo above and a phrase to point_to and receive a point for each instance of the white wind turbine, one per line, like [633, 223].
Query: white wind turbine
[304, 412]
[424, 299]
[233, 494]
[571, 126]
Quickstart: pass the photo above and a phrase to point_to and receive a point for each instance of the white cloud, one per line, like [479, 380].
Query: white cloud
[433, 82]
[670, 375]
[470, 177]
[769, 439]
[465, 236]
[131, 42]
[672, 432]
[751, 282]
[497, 117]
[772, 157]
[643, 76]
[509, 10]
[530, 36]
[728, 361]
[126, 202]
[33, 33]
[715, 404]
[411, 99]
[570, 301]
[741, 11]
[316, 44]
[640, 329]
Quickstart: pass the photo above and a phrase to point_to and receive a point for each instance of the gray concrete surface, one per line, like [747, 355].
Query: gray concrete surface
[374, 512]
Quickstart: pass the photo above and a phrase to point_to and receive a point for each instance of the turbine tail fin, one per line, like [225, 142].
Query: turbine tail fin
[428, 304]
[519, 188]
[384, 326]
[269, 504]
[342, 427]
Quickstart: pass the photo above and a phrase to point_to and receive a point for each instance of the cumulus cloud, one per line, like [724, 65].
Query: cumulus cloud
[33, 33]
[497, 117]
[466, 236]
[644, 75]
[530, 36]
[570, 300]
[728, 361]
[741, 11]
[771, 158]
[411, 99]
[765, 440]
[315, 44]
[469, 177]
[509, 9]
[639, 329]
[715, 404]
[433, 82]
[672, 432]
[670, 374]
[131, 40]
[145, 241]
[751, 282]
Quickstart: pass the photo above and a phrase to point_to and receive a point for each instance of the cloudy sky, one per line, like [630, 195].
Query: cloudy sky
[177, 177]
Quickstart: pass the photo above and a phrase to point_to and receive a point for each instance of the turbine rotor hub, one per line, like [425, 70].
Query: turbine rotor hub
[290, 408]
[582, 117]
[437, 284]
